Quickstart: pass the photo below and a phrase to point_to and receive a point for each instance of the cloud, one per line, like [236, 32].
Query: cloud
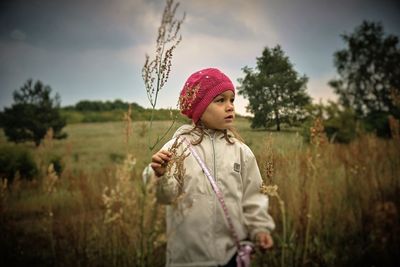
[230, 19]
[18, 35]
[78, 25]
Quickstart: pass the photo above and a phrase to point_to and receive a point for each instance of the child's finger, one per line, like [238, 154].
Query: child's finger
[157, 158]
[159, 170]
[155, 165]
[265, 241]
[267, 244]
[165, 152]
[165, 157]
[161, 157]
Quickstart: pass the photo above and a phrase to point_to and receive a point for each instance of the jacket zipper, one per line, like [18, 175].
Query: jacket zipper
[215, 178]
[213, 146]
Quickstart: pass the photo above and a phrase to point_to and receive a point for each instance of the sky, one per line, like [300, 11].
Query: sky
[95, 49]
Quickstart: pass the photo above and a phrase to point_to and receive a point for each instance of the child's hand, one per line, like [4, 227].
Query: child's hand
[264, 240]
[159, 162]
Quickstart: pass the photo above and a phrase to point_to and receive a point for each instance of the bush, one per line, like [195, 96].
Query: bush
[340, 125]
[15, 159]
[72, 116]
[378, 122]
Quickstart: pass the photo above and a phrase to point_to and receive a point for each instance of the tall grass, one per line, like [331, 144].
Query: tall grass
[335, 205]
[338, 204]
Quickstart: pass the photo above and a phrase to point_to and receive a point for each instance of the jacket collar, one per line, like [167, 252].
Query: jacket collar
[208, 132]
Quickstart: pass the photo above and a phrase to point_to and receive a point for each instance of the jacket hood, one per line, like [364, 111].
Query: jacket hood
[183, 129]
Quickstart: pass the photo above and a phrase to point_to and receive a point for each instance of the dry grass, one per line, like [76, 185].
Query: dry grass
[335, 205]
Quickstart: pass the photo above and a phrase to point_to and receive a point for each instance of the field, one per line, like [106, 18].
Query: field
[334, 205]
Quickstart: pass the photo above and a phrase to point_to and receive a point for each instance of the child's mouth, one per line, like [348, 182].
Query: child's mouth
[230, 117]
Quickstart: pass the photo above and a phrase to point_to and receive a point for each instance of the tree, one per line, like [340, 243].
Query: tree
[275, 91]
[33, 113]
[369, 73]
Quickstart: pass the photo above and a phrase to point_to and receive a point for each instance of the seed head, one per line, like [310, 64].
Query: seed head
[175, 167]
[269, 190]
[318, 136]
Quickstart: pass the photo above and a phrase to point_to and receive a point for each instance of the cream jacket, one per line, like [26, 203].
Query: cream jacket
[197, 231]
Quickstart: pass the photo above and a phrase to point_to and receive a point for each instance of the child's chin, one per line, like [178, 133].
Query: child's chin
[226, 126]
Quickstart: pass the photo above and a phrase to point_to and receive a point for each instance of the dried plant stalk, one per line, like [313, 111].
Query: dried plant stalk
[270, 189]
[50, 180]
[120, 199]
[128, 125]
[317, 131]
[156, 72]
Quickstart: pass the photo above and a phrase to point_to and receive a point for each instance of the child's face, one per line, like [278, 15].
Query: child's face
[220, 113]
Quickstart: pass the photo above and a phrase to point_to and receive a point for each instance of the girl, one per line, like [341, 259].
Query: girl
[198, 230]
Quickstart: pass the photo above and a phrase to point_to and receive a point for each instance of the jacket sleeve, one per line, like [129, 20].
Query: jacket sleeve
[166, 185]
[166, 189]
[255, 204]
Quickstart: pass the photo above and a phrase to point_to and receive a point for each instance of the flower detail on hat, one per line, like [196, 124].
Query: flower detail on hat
[187, 98]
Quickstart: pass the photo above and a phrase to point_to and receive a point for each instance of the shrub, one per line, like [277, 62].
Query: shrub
[340, 125]
[378, 122]
[15, 159]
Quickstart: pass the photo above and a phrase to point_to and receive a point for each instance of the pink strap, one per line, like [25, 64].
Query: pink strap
[243, 257]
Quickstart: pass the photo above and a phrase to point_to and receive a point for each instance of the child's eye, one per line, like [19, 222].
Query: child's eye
[220, 100]
[232, 100]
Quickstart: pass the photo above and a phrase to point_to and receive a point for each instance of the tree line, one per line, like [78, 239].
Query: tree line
[105, 111]
[97, 105]
[368, 89]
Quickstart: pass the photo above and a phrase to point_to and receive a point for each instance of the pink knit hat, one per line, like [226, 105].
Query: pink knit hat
[200, 89]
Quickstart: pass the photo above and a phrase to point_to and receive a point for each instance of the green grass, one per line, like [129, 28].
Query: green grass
[94, 146]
